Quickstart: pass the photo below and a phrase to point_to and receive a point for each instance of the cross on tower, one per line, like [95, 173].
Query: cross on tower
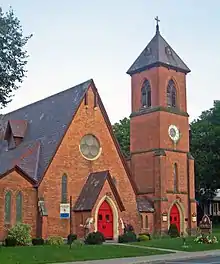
[157, 26]
[158, 20]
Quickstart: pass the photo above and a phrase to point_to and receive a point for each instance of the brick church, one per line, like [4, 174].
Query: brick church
[61, 168]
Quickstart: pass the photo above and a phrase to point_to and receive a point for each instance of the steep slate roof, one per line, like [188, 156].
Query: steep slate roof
[158, 53]
[144, 204]
[47, 122]
[92, 189]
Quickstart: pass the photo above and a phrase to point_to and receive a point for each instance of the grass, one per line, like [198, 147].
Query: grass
[56, 254]
[177, 243]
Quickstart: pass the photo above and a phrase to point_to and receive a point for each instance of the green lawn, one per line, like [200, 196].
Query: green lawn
[177, 244]
[53, 254]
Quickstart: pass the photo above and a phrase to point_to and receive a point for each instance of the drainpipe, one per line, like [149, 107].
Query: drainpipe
[188, 191]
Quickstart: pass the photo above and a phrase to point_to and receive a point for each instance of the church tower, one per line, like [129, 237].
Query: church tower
[161, 164]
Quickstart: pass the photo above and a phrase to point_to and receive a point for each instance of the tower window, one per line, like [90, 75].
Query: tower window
[146, 94]
[171, 94]
[175, 178]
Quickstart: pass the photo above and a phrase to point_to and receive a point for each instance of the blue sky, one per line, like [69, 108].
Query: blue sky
[77, 40]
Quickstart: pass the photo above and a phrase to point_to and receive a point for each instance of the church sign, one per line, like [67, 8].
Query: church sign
[65, 211]
[205, 225]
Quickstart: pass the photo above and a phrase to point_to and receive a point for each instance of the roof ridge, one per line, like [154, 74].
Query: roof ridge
[83, 83]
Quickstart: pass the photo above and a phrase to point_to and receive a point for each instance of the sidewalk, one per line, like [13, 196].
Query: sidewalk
[152, 259]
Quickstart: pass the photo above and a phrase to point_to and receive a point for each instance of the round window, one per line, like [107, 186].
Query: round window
[90, 147]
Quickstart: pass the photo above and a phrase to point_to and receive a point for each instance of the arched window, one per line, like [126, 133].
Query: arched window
[175, 178]
[146, 221]
[171, 94]
[8, 207]
[19, 207]
[146, 94]
[142, 221]
[64, 189]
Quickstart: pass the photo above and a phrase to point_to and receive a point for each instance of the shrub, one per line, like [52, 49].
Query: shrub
[10, 242]
[128, 228]
[21, 233]
[173, 231]
[145, 234]
[38, 241]
[78, 243]
[95, 238]
[71, 238]
[143, 238]
[127, 237]
[55, 240]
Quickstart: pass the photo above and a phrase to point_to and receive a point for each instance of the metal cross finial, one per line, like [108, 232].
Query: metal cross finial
[157, 19]
[157, 26]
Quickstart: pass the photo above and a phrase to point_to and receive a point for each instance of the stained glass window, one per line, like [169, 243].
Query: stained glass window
[8, 207]
[64, 189]
[19, 207]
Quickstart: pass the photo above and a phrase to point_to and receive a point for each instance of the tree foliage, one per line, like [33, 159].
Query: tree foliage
[205, 142]
[122, 133]
[13, 56]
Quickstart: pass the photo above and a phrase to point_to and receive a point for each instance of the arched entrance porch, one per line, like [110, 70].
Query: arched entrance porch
[115, 218]
[105, 220]
[176, 216]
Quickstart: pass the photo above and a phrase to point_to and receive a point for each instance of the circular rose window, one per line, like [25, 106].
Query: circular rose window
[90, 147]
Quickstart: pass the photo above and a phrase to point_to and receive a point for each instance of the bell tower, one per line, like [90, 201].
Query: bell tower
[161, 164]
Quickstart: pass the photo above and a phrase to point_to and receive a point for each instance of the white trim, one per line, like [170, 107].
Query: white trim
[115, 215]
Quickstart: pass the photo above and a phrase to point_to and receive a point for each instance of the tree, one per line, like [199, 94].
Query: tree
[13, 56]
[205, 142]
[122, 133]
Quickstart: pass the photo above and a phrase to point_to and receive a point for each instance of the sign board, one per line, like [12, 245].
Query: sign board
[65, 211]
[205, 225]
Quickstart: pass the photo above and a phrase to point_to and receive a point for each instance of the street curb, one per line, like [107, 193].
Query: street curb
[175, 256]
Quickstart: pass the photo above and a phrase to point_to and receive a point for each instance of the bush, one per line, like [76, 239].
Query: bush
[145, 234]
[173, 231]
[128, 228]
[78, 243]
[55, 240]
[95, 238]
[143, 237]
[37, 241]
[127, 237]
[10, 242]
[71, 238]
[21, 233]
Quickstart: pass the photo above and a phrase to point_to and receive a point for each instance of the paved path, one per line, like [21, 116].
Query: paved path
[138, 246]
[209, 257]
[201, 260]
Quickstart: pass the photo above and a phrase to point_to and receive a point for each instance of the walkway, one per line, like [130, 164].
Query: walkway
[137, 246]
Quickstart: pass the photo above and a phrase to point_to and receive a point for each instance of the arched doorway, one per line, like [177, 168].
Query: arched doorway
[175, 216]
[105, 220]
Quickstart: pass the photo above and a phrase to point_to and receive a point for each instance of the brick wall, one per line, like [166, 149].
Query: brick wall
[69, 160]
[14, 182]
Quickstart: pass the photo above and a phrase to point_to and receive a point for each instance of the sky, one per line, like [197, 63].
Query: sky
[74, 41]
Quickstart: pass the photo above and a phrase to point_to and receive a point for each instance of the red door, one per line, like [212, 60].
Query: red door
[175, 216]
[105, 220]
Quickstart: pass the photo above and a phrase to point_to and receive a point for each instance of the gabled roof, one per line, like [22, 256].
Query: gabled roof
[144, 204]
[92, 189]
[47, 122]
[158, 53]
